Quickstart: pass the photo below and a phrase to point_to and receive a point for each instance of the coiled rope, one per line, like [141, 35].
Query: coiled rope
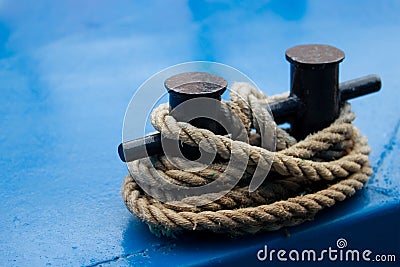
[305, 176]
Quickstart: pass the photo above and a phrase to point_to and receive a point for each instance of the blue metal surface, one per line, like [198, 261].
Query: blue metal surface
[68, 70]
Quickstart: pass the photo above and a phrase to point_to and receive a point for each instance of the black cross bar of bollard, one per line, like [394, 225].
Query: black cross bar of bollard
[313, 104]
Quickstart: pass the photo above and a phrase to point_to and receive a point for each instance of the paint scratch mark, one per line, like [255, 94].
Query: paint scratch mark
[142, 253]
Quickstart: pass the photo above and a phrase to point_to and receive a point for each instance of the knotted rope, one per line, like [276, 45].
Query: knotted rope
[305, 176]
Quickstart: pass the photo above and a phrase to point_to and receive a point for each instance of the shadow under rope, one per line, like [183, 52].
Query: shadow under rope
[139, 244]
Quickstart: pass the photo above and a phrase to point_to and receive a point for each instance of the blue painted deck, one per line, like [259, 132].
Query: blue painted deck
[68, 70]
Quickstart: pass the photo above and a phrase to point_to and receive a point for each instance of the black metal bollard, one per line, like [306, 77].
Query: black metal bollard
[314, 101]
[181, 87]
[190, 85]
[314, 78]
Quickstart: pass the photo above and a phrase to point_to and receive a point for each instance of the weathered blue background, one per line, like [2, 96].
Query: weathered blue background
[68, 70]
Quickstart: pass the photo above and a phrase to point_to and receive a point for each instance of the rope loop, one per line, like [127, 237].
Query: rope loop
[306, 176]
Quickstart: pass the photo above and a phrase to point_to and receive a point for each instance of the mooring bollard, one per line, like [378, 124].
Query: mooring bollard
[313, 104]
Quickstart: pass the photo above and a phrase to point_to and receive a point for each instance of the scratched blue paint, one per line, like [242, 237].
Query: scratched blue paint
[68, 70]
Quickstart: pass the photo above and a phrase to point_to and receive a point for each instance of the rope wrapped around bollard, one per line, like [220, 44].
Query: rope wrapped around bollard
[305, 177]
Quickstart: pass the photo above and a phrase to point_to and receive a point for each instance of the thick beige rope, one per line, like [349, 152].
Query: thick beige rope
[305, 176]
